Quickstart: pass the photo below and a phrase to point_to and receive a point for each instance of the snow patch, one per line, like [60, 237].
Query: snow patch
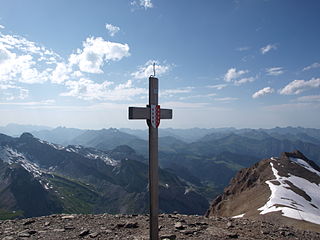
[55, 146]
[239, 216]
[187, 190]
[304, 164]
[291, 204]
[11, 156]
[73, 148]
[107, 160]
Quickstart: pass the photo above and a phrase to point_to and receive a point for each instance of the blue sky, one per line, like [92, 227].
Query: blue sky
[81, 63]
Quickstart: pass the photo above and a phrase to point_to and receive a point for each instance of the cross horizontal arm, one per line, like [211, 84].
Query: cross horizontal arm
[139, 113]
[144, 113]
[165, 113]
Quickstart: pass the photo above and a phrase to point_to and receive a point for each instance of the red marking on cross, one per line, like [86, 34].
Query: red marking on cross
[157, 115]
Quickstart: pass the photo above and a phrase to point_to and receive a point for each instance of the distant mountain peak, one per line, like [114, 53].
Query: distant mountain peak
[26, 135]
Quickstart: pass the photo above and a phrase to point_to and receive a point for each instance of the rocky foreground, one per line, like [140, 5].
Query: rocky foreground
[136, 227]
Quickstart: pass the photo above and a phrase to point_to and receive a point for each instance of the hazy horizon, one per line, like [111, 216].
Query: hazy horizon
[143, 128]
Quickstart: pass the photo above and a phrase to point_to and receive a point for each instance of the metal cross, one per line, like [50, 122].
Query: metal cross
[152, 113]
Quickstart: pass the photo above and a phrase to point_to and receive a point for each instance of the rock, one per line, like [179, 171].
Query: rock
[94, 235]
[84, 233]
[286, 233]
[31, 232]
[69, 227]
[192, 225]
[201, 223]
[136, 228]
[179, 226]
[8, 238]
[131, 225]
[188, 232]
[233, 235]
[29, 222]
[168, 237]
[120, 225]
[24, 234]
[229, 225]
[68, 217]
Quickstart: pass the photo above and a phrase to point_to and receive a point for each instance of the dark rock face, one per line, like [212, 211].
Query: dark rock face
[250, 190]
[56, 227]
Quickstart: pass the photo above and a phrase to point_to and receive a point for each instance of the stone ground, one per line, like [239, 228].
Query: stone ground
[172, 226]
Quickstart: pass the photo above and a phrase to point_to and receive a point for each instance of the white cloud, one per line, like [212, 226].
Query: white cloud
[172, 92]
[95, 52]
[184, 105]
[262, 92]
[39, 103]
[19, 68]
[89, 90]
[146, 3]
[232, 74]
[1, 26]
[11, 92]
[112, 29]
[310, 98]
[24, 61]
[241, 49]
[209, 95]
[313, 65]
[226, 99]
[142, 3]
[299, 86]
[268, 48]
[274, 71]
[244, 80]
[22, 44]
[61, 73]
[146, 70]
[218, 86]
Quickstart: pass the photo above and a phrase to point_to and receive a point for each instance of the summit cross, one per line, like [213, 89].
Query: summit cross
[152, 113]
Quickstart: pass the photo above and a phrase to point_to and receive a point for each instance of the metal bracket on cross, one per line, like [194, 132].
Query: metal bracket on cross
[152, 113]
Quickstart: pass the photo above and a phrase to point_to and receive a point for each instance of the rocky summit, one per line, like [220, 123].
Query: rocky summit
[172, 226]
[283, 189]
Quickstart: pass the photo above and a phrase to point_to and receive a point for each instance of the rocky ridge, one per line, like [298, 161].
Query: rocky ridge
[283, 189]
[172, 226]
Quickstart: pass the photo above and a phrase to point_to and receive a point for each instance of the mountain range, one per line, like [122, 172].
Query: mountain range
[92, 171]
[40, 178]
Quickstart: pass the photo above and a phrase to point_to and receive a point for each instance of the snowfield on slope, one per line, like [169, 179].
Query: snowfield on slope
[291, 204]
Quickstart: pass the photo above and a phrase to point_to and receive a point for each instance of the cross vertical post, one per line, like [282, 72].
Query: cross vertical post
[152, 113]
[153, 162]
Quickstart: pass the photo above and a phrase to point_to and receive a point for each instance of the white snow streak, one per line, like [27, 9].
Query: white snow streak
[305, 165]
[291, 204]
[239, 216]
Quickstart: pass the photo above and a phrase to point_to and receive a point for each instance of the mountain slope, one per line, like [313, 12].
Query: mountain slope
[23, 195]
[284, 189]
[87, 180]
